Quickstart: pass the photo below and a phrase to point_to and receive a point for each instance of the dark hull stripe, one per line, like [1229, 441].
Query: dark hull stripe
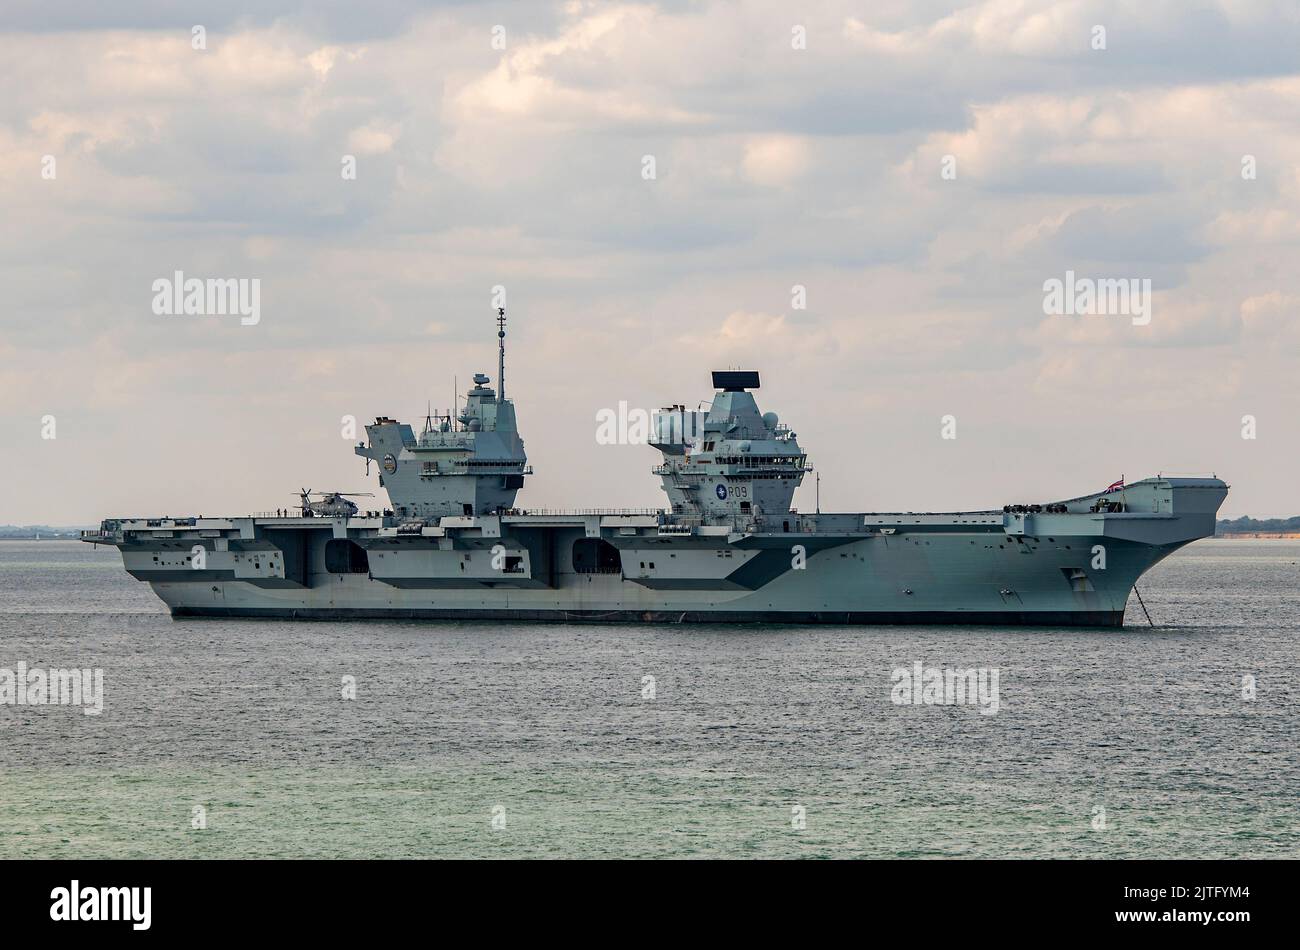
[1042, 618]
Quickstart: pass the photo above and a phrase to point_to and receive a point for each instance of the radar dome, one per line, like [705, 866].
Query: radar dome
[475, 425]
[770, 419]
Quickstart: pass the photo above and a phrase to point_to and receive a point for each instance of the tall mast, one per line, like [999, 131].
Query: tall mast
[501, 354]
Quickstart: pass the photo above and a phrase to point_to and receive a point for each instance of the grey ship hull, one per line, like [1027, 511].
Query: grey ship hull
[1074, 568]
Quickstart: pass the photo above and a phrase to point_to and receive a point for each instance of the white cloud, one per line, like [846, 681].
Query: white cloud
[373, 139]
[775, 159]
[817, 167]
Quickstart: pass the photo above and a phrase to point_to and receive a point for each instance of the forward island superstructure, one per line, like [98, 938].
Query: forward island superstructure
[727, 547]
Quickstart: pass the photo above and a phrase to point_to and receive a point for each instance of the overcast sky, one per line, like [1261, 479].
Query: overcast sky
[775, 166]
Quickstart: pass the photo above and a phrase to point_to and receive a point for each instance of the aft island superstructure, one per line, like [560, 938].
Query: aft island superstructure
[727, 547]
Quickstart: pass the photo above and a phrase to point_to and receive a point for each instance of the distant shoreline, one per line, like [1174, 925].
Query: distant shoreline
[1265, 535]
[44, 537]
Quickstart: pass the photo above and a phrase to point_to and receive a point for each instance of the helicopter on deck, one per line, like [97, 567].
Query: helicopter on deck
[332, 504]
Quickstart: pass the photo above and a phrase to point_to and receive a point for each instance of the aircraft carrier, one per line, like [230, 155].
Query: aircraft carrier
[727, 546]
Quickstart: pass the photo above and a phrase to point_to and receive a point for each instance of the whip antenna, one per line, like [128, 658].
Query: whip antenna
[501, 354]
